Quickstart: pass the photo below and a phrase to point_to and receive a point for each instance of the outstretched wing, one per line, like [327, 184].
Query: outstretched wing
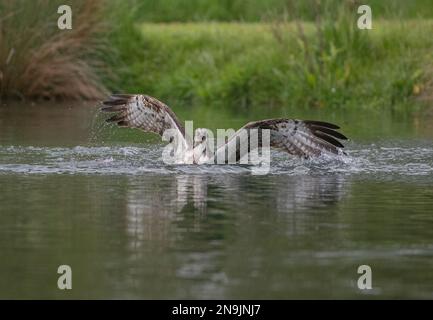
[304, 138]
[142, 112]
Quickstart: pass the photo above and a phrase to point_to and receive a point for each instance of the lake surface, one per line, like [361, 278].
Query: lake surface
[75, 191]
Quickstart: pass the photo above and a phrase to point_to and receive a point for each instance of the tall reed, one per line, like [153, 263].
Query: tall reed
[38, 60]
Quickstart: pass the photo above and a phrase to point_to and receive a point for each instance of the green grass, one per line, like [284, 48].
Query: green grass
[257, 10]
[245, 65]
[322, 62]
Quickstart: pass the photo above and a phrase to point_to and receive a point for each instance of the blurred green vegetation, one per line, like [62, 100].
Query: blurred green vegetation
[234, 54]
[326, 63]
[256, 10]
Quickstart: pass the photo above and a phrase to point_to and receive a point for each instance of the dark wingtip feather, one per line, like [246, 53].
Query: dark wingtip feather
[322, 124]
[116, 118]
[116, 100]
[122, 123]
[329, 139]
[330, 132]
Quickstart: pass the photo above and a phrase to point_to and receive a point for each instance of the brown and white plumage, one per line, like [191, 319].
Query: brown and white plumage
[303, 138]
[142, 112]
[150, 115]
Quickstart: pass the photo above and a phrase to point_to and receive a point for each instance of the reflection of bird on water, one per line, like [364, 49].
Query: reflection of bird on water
[303, 138]
[311, 192]
[154, 209]
[282, 194]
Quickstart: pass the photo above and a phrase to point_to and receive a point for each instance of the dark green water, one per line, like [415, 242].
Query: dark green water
[80, 193]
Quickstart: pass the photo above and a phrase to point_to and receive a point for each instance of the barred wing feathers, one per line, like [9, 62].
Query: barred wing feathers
[142, 112]
[303, 138]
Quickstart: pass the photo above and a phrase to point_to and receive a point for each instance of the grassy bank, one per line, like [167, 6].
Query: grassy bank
[258, 10]
[293, 65]
[323, 61]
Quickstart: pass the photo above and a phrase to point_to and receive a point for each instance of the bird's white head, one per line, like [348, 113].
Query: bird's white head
[202, 145]
[201, 137]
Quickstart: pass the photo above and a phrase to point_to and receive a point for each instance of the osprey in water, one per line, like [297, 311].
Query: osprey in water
[303, 138]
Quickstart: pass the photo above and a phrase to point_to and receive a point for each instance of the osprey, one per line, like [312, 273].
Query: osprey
[302, 138]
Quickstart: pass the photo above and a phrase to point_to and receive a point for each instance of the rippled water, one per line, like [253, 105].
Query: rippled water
[77, 192]
[385, 160]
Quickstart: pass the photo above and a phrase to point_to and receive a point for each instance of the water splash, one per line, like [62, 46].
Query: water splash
[376, 159]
